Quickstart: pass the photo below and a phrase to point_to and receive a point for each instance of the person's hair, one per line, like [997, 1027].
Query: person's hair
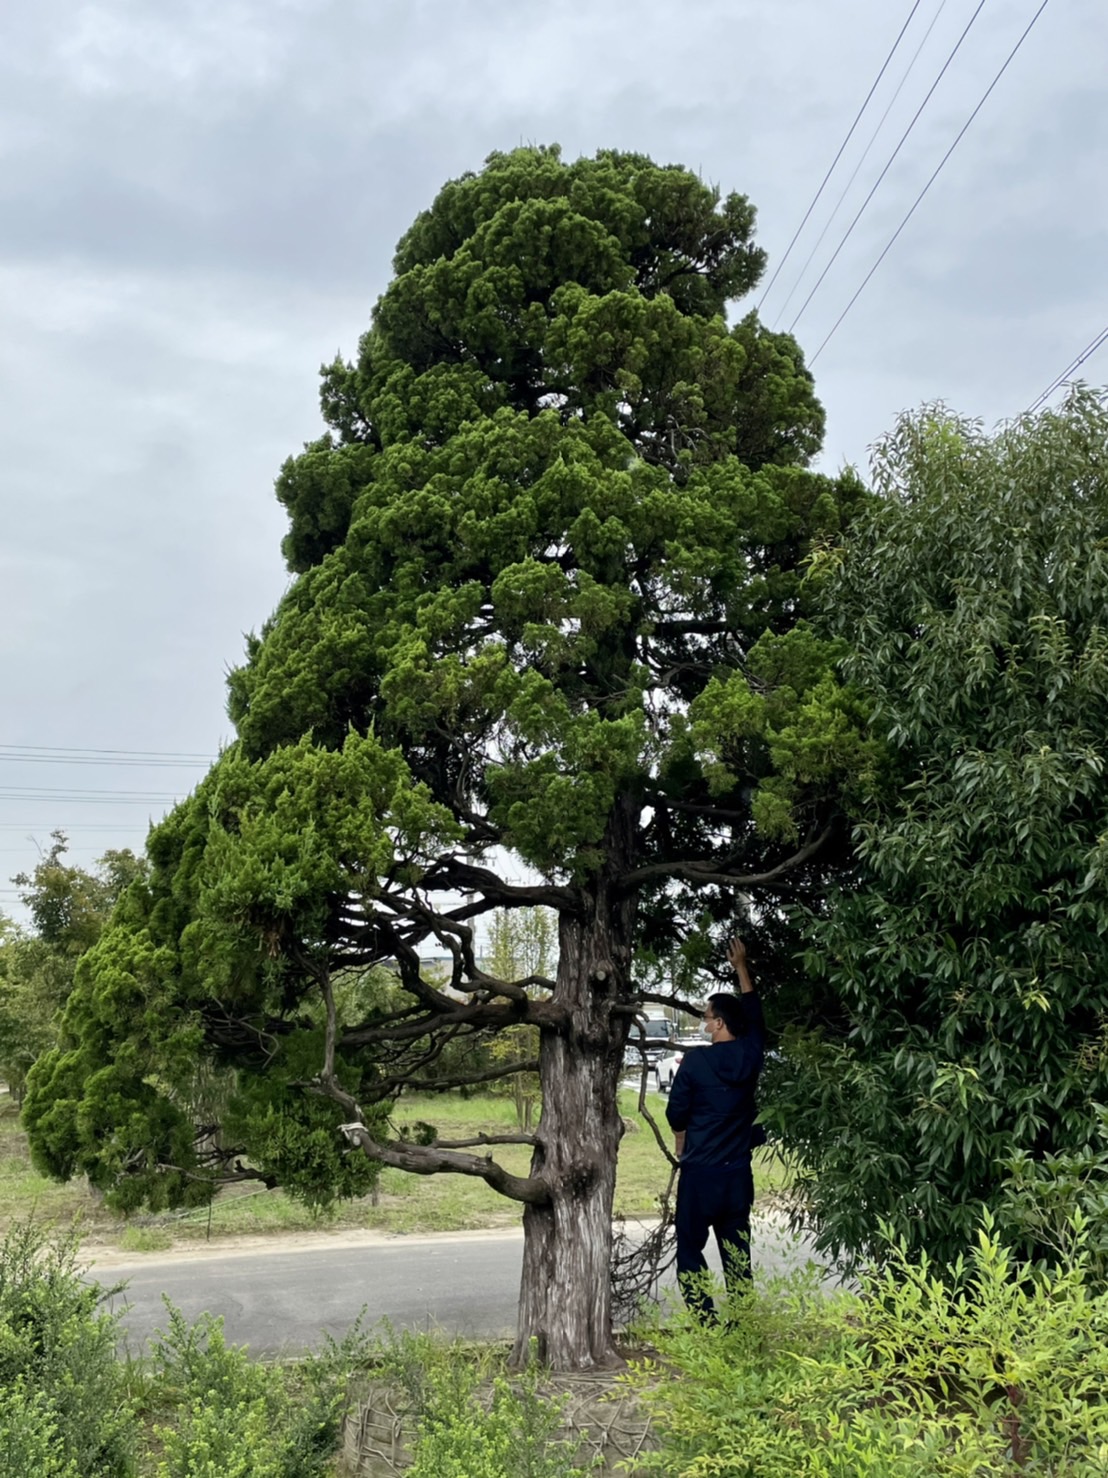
[727, 1008]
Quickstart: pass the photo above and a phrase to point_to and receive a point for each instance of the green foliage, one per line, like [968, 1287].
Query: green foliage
[237, 1418]
[34, 984]
[521, 944]
[63, 1407]
[966, 960]
[69, 907]
[1054, 1203]
[987, 1368]
[558, 465]
[214, 960]
[29, 1436]
[549, 609]
[510, 1436]
[68, 1404]
[472, 1422]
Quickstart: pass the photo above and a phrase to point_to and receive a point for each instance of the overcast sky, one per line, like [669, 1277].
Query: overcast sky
[199, 201]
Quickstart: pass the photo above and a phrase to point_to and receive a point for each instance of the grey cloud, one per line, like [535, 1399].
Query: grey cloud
[199, 203]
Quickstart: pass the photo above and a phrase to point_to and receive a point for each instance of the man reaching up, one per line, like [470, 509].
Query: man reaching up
[712, 1110]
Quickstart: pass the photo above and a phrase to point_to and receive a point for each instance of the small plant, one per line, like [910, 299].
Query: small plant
[29, 1438]
[472, 1419]
[145, 1239]
[62, 1388]
[238, 1418]
[1062, 1199]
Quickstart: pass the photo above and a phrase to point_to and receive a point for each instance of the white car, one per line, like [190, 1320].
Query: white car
[665, 1069]
[657, 1032]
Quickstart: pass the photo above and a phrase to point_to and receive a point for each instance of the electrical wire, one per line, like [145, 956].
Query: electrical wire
[85, 797]
[31, 826]
[1074, 364]
[839, 155]
[888, 165]
[857, 168]
[79, 755]
[46, 759]
[958, 139]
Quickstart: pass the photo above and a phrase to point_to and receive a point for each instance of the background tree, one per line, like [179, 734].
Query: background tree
[69, 907]
[968, 953]
[549, 608]
[519, 944]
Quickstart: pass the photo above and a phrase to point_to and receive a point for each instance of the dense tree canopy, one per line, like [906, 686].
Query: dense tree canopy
[970, 956]
[549, 619]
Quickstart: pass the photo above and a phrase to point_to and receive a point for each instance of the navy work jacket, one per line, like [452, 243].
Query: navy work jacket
[713, 1094]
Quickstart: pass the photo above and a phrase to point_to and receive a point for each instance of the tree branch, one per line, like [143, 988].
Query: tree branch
[466, 877]
[462, 1144]
[663, 803]
[656, 999]
[647, 1115]
[706, 872]
[489, 1075]
[420, 1159]
[493, 1015]
[692, 628]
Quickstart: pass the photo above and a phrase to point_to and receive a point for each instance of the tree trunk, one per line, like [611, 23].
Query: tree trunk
[565, 1295]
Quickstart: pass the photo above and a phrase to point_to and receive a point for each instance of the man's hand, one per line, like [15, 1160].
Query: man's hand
[736, 955]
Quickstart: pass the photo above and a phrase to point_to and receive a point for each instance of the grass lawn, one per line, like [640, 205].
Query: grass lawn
[404, 1204]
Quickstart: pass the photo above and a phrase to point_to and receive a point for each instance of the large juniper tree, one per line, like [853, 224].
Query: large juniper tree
[545, 647]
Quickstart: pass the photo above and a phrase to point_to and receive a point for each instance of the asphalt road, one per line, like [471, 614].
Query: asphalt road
[281, 1300]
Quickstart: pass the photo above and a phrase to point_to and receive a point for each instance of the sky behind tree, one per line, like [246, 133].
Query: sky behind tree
[199, 204]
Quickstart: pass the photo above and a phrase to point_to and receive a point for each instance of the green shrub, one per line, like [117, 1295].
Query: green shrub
[145, 1239]
[63, 1389]
[1051, 1201]
[511, 1435]
[239, 1418]
[29, 1436]
[994, 1367]
[471, 1419]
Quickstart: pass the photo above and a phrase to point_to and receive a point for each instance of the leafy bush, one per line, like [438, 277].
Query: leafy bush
[64, 1409]
[237, 1418]
[472, 1422]
[992, 1367]
[1061, 1199]
[962, 973]
[29, 1436]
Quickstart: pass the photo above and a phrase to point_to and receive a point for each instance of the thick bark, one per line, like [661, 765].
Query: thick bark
[565, 1295]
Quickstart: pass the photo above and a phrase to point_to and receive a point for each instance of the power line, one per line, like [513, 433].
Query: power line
[958, 139]
[120, 797]
[118, 826]
[24, 758]
[864, 156]
[839, 155]
[157, 754]
[888, 165]
[1074, 364]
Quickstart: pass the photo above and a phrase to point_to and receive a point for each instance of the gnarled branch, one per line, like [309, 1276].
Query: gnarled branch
[707, 872]
[467, 877]
[489, 1075]
[421, 1159]
[462, 1144]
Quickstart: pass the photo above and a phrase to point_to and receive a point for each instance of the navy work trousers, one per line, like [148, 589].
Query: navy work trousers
[713, 1198]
